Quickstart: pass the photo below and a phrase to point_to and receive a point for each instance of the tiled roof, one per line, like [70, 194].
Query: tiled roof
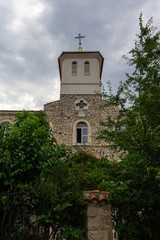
[95, 194]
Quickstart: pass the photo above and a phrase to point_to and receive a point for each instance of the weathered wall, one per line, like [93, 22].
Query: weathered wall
[63, 115]
[99, 224]
[98, 216]
[7, 116]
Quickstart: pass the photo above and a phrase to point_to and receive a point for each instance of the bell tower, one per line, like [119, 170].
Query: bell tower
[80, 71]
[75, 118]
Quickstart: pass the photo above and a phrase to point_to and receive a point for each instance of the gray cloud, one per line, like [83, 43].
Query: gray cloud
[35, 32]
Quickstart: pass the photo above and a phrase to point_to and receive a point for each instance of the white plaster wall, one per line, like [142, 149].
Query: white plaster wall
[80, 89]
[80, 78]
[80, 84]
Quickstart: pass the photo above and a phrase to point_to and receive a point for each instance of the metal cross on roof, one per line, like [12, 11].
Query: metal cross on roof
[79, 37]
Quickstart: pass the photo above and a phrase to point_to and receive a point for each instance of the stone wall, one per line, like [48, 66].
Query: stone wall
[7, 116]
[63, 115]
[98, 216]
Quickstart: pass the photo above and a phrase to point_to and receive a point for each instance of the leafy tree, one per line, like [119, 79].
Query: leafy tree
[48, 176]
[26, 146]
[28, 151]
[134, 182]
[59, 193]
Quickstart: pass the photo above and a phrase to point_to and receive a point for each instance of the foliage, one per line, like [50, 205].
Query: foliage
[33, 164]
[72, 233]
[134, 182]
[25, 147]
[59, 192]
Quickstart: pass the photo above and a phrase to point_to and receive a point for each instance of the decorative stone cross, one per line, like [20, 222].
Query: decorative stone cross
[81, 104]
[79, 37]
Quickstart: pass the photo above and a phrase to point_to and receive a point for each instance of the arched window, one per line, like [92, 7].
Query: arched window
[82, 132]
[87, 68]
[74, 68]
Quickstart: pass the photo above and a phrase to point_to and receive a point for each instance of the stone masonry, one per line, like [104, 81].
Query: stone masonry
[64, 115]
[7, 116]
[98, 216]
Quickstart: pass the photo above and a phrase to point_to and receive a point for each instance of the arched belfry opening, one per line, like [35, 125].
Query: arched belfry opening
[87, 68]
[74, 68]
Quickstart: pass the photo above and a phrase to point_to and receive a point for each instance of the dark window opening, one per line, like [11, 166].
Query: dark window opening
[79, 139]
[82, 133]
[87, 68]
[74, 68]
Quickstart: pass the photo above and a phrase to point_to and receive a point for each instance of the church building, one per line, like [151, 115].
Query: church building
[75, 118]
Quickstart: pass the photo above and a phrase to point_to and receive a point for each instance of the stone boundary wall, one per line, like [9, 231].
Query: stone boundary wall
[98, 216]
[7, 116]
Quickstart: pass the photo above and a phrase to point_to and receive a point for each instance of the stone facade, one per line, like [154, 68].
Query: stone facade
[7, 116]
[64, 115]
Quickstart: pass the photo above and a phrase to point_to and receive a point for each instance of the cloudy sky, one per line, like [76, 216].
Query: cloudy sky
[33, 33]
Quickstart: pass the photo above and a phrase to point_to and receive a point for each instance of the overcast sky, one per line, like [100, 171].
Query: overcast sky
[33, 33]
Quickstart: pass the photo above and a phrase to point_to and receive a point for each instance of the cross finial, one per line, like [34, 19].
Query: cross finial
[79, 37]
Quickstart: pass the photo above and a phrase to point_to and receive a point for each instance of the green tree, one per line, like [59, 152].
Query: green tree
[50, 177]
[59, 192]
[134, 182]
[25, 148]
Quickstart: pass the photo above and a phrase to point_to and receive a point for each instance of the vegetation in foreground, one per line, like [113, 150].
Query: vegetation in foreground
[49, 175]
[134, 182]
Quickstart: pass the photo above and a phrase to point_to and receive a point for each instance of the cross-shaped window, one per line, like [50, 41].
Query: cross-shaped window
[81, 104]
